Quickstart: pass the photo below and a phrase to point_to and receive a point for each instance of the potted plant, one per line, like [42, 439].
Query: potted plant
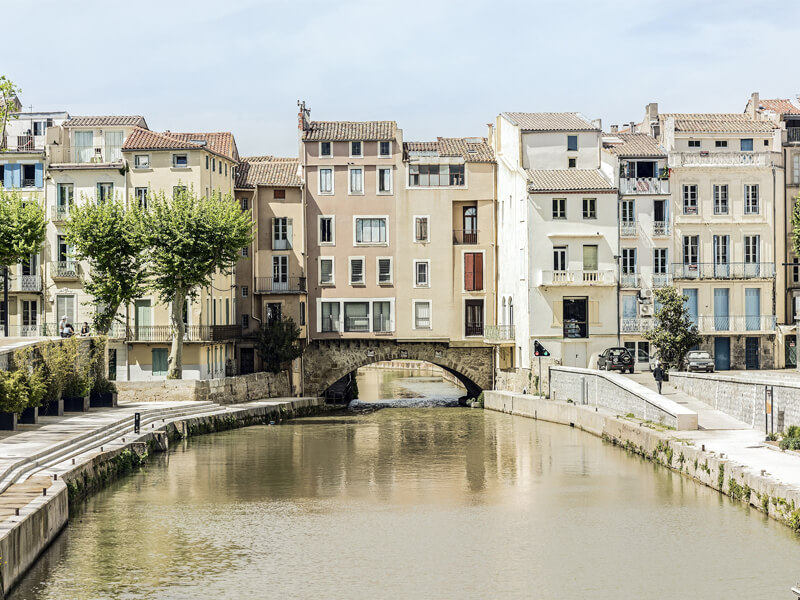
[104, 393]
[28, 361]
[13, 398]
[56, 366]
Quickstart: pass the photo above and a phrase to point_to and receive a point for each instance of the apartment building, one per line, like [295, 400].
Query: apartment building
[726, 179]
[638, 165]
[271, 278]
[558, 237]
[22, 169]
[444, 266]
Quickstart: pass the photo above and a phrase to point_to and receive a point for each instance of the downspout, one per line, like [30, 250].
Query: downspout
[495, 353]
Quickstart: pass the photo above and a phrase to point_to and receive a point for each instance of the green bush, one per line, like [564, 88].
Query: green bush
[100, 382]
[14, 391]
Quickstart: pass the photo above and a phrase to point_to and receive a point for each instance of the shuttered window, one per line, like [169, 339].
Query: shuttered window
[473, 271]
[326, 270]
[160, 361]
[281, 233]
[384, 270]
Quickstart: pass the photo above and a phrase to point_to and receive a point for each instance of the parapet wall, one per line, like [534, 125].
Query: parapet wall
[228, 390]
[619, 394]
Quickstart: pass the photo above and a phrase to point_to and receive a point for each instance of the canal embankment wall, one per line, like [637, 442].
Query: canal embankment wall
[23, 538]
[618, 394]
[663, 446]
[743, 396]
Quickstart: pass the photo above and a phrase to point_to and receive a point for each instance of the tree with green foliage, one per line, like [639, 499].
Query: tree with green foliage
[8, 105]
[796, 226]
[278, 343]
[22, 231]
[108, 237]
[674, 334]
[188, 238]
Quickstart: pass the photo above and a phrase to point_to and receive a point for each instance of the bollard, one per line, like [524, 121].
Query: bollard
[44, 491]
[73, 461]
[101, 448]
[16, 512]
[123, 440]
[55, 476]
[137, 421]
[703, 447]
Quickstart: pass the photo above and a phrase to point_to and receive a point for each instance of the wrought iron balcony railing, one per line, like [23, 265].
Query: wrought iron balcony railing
[723, 270]
[280, 285]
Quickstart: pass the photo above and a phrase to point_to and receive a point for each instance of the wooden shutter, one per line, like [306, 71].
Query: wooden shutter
[594, 312]
[478, 277]
[289, 237]
[274, 237]
[469, 268]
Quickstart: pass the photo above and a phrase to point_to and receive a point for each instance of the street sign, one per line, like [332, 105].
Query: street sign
[539, 350]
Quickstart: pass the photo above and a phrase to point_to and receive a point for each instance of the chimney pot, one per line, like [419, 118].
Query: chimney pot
[614, 128]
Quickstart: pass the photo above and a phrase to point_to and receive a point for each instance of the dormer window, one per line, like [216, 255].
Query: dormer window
[326, 149]
[356, 149]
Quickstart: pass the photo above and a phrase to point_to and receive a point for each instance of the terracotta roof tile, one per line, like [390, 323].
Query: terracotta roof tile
[470, 149]
[106, 121]
[633, 145]
[339, 131]
[567, 180]
[780, 106]
[551, 121]
[717, 123]
[221, 144]
[268, 170]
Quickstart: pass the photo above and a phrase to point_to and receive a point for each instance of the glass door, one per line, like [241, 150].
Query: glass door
[280, 273]
[470, 225]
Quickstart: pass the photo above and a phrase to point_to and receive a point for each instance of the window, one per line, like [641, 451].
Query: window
[422, 314]
[751, 249]
[302, 313]
[590, 208]
[560, 258]
[435, 175]
[280, 272]
[766, 142]
[105, 192]
[572, 163]
[281, 233]
[245, 291]
[141, 196]
[2, 176]
[384, 149]
[279, 194]
[384, 181]
[39, 127]
[660, 257]
[213, 164]
[244, 203]
[694, 143]
[421, 229]
[326, 230]
[575, 313]
[326, 181]
[572, 143]
[473, 271]
[384, 271]
[559, 208]
[627, 211]
[371, 231]
[628, 261]
[796, 270]
[721, 143]
[245, 321]
[274, 312]
[141, 161]
[326, 149]
[473, 317]
[326, 271]
[720, 199]
[245, 251]
[421, 273]
[751, 199]
[356, 316]
[329, 317]
[178, 190]
[590, 257]
[356, 181]
[29, 175]
[357, 271]
[206, 161]
[64, 199]
[690, 199]
[160, 356]
[795, 169]
[226, 169]
[691, 250]
[356, 149]
[180, 161]
[747, 144]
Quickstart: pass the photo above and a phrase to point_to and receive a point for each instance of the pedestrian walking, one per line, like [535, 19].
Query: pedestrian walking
[658, 375]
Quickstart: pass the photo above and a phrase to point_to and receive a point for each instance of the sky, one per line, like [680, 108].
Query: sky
[437, 67]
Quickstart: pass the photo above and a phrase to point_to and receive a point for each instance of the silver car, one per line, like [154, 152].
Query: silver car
[699, 360]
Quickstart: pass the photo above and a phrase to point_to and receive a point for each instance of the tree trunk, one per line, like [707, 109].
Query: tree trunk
[177, 329]
[5, 301]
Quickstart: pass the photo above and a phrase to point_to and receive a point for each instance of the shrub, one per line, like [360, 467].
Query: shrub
[14, 391]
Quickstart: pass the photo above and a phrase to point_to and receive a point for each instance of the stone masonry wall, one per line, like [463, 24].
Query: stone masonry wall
[228, 390]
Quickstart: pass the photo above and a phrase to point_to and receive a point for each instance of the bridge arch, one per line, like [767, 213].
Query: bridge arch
[327, 361]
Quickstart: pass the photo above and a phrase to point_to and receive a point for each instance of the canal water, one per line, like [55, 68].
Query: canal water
[413, 503]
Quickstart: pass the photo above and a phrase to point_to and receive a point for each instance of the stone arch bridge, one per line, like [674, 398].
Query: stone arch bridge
[327, 361]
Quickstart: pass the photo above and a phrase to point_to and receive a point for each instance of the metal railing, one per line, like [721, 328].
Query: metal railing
[498, 333]
[735, 323]
[25, 143]
[643, 185]
[65, 269]
[629, 280]
[662, 280]
[463, 237]
[15, 330]
[628, 228]
[793, 134]
[473, 329]
[28, 182]
[724, 159]
[661, 228]
[163, 333]
[23, 283]
[578, 277]
[723, 271]
[280, 285]
[85, 154]
[60, 213]
[285, 244]
[360, 324]
[635, 325]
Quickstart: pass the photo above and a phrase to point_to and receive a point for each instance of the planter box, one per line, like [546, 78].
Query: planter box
[76, 403]
[8, 421]
[104, 400]
[54, 408]
[29, 416]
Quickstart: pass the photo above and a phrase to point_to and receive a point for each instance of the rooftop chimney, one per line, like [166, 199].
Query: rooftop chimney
[755, 104]
[614, 128]
[633, 127]
[652, 111]
[598, 123]
[303, 116]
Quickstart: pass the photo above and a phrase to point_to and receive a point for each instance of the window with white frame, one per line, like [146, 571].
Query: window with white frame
[180, 161]
[371, 230]
[559, 208]
[245, 291]
[694, 143]
[141, 196]
[384, 149]
[435, 175]
[384, 180]
[721, 143]
[356, 179]
[590, 208]
[357, 270]
[281, 233]
[326, 149]
[422, 273]
[384, 270]
[105, 192]
[422, 314]
[326, 181]
[559, 258]
[660, 258]
[752, 245]
[751, 199]
[326, 270]
[721, 199]
[141, 161]
[628, 261]
[356, 149]
[421, 229]
[326, 230]
[796, 169]
[690, 199]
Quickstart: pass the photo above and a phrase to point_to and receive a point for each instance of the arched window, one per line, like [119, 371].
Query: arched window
[504, 315]
[511, 311]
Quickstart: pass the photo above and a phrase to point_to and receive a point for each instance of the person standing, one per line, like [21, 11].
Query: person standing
[658, 375]
[62, 326]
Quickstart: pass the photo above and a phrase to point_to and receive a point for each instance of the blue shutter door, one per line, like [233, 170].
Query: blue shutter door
[39, 175]
[722, 353]
[629, 307]
[752, 308]
[13, 176]
[691, 303]
[721, 316]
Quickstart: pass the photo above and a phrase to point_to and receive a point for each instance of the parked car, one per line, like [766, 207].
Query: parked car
[699, 360]
[615, 359]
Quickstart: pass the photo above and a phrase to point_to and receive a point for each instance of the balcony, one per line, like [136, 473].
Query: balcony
[661, 280]
[660, 228]
[643, 185]
[473, 329]
[635, 325]
[280, 285]
[59, 213]
[24, 330]
[85, 155]
[724, 159]
[162, 333]
[465, 237]
[25, 143]
[629, 280]
[578, 277]
[723, 271]
[628, 229]
[23, 283]
[65, 269]
[737, 324]
[498, 333]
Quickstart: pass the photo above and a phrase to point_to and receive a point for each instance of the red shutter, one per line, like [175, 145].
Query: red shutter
[469, 265]
[478, 271]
